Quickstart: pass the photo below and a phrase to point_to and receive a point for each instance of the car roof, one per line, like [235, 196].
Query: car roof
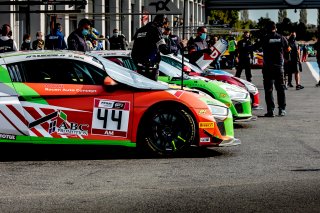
[13, 57]
[38, 52]
[110, 53]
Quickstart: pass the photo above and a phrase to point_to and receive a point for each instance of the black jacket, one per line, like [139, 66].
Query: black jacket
[148, 43]
[6, 46]
[274, 46]
[77, 42]
[118, 43]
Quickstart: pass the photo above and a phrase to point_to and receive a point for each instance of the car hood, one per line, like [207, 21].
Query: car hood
[218, 72]
[128, 77]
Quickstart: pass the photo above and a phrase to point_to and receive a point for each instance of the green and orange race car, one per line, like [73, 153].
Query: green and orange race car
[64, 97]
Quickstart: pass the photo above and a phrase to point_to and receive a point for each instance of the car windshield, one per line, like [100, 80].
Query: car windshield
[178, 60]
[170, 70]
[128, 77]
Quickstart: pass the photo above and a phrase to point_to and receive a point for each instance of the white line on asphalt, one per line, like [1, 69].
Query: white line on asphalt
[313, 71]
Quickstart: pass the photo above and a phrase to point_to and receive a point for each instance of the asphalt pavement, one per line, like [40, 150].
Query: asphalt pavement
[275, 169]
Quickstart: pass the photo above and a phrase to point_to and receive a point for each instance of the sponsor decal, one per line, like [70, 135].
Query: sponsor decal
[223, 95]
[7, 136]
[202, 111]
[206, 125]
[58, 123]
[62, 89]
[205, 140]
[110, 118]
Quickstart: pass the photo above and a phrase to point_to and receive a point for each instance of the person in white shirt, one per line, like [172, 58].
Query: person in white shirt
[6, 43]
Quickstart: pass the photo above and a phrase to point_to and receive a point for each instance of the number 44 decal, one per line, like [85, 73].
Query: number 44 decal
[104, 118]
[110, 118]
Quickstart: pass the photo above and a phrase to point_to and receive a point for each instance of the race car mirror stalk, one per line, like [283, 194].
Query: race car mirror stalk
[110, 85]
[109, 82]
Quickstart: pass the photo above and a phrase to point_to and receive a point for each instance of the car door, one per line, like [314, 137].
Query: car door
[13, 125]
[66, 99]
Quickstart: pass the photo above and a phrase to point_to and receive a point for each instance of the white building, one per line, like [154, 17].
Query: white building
[106, 15]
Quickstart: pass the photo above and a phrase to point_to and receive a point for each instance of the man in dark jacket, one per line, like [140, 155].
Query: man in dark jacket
[76, 40]
[148, 43]
[6, 43]
[274, 46]
[171, 43]
[293, 65]
[117, 42]
[55, 40]
[244, 54]
[198, 46]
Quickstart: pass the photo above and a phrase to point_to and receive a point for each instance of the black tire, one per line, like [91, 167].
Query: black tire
[166, 131]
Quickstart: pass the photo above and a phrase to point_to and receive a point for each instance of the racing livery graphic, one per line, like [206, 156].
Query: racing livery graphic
[59, 124]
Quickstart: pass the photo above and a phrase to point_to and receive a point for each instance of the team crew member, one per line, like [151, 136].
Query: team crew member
[232, 45]
[274, 45]
[76, 40]
[117, 42]
[294, 62]
[173, 46]
[198, 46]
[148, 43]
[245, 56]
[55, 40]
[6, 43]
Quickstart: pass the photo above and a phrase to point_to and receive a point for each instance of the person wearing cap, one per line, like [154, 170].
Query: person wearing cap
[7, 44]
[117, 41]
[55, 40]
[244, 55]
[198, 46]
[274, 46]
[77, 39]
[147, 46]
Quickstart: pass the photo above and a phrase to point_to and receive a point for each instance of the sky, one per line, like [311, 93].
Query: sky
[273, 15]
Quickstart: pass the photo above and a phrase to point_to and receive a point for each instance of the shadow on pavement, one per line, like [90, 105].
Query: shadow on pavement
[32, 152]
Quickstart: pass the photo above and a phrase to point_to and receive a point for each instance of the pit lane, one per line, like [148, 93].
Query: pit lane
[275, 169]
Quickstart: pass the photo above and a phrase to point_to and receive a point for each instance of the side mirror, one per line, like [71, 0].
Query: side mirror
[109, 82]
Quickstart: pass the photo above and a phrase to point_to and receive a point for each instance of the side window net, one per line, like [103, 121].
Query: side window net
[16, 72]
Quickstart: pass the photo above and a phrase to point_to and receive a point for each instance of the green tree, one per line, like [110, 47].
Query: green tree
[282, 13]
[230, 17]
[285, 27]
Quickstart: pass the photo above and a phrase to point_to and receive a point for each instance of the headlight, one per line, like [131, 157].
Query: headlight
[235, 92]
[219, 111]
[237, 95]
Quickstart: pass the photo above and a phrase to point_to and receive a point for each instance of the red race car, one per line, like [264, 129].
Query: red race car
[64, 97]
[215, 75]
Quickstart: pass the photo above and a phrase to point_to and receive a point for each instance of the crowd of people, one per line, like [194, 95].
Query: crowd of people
[281, 56]
[84, 38]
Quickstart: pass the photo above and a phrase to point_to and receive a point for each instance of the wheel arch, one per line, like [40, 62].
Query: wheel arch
[165, 103]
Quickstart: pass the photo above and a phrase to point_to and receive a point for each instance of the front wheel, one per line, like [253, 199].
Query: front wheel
[168, 130]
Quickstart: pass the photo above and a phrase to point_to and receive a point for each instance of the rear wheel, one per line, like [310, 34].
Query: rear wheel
[166, 130]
